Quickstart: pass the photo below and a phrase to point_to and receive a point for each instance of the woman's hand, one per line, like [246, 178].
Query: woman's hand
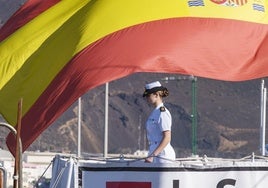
[149, 159]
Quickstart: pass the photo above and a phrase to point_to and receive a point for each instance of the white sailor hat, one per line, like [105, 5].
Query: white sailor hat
[152, 88]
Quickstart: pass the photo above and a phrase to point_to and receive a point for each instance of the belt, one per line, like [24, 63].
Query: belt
[153, 142]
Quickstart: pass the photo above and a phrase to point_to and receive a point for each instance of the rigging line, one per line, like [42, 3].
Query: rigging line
[60, 175]
[43, 174]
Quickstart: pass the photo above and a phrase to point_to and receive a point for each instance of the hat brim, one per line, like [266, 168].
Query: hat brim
[153, 90]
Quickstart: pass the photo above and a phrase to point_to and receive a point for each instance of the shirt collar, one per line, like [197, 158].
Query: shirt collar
[161, 104]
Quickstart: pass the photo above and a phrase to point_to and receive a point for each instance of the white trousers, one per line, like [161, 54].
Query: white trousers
[166, 156]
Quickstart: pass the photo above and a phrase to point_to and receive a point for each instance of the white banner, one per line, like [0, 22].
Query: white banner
[129, 177]
[68, 172]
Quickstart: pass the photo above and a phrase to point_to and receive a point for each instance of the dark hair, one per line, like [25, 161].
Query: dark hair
[163, 93]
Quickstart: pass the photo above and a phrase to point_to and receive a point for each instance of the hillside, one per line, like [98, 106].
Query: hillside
[227, 125]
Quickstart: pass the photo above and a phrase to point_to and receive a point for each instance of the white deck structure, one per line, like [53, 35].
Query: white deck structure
[196, 172]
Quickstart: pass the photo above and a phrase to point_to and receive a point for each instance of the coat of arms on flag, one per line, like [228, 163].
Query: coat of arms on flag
[232, 3]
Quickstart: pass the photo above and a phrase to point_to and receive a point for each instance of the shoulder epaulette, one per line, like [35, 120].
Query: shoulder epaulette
[162, 109]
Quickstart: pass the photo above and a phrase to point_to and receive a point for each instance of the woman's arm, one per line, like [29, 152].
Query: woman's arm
[164, 142]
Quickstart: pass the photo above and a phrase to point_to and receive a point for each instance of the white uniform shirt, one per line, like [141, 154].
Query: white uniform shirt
[158, 122]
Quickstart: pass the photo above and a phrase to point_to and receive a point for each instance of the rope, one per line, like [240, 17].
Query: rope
[43, 174]
[128, 160]
[60, 175]
[204, 160]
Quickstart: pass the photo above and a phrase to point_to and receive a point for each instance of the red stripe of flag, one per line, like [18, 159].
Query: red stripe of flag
[26, 13]
[172, 52]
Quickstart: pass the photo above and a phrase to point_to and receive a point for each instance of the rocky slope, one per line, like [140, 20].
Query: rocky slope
[227, 125]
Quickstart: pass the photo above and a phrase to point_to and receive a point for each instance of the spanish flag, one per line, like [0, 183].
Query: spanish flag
[53, 51]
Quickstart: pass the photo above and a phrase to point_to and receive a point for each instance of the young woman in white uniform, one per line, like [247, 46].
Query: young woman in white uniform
[158, 125]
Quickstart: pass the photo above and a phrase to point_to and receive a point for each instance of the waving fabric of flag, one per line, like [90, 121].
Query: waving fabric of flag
[53, 51]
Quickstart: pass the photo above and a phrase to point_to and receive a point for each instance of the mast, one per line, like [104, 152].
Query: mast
[263, 117]
[105, 144]
[79, 129]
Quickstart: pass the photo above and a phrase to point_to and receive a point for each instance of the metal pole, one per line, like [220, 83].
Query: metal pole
[79, 129]
[139, 134]
[261, 114]
[105, 150]
[4, 176]
[194, 116]
[263, 117]
[264, 120]
[194, 107]
[14, 132]
[18, 155]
